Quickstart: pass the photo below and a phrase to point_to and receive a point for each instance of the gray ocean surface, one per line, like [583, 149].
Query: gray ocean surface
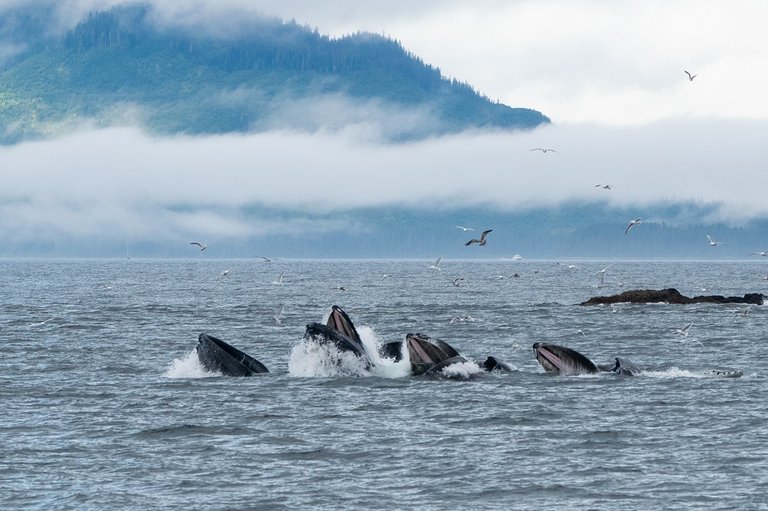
[103, 404]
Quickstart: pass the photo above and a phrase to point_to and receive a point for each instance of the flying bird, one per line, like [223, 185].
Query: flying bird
[544, 149]
[278, 315]
[632, 223]
[457, 280]
[481, 241]
[279, 280]
[712, 243]
[436, 264]
[683, 331]
[604, 187]
[764, 253]
[465, 229]
[266, 259]
[690, 76]
[202, 246]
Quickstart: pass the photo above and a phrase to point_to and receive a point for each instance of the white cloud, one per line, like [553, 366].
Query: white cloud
[121, 180]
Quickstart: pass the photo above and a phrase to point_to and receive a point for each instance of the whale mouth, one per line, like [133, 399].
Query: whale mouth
[548, 358]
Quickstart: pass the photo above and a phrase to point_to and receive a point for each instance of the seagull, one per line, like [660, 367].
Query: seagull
[683, 331]
[457, 280]
[604, 187]
[279, 280]
[602, 275]
[42, 322]
[436, 264]
[202, 246]
[462, 318]
[764, 253]
[632, 223]
[544, 149]
[266, 259]
[465, 229]
[712, 243]
[278, 315]
[690, 76]
[481, 241]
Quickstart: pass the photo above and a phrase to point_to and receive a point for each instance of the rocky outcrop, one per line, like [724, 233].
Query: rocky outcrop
[671, 295]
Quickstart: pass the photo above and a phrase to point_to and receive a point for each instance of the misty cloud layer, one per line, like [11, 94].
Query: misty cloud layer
[122, 182]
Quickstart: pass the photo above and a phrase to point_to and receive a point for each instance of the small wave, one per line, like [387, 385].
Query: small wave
[383, 367]
[674, 372]
[188, 366]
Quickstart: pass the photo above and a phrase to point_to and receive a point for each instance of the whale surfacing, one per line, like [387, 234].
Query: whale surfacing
[562, 360]
[429, 355]
[218, 356]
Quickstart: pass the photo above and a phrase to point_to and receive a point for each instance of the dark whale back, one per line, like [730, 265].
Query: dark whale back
[325, 334]
[426, 352]
[218, 356]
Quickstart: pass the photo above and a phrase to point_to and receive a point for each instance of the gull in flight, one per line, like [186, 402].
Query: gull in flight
[712, 243]
[683, 331]
[690, 76]
[764, 253]
[278, 315]
[602, 275]
[436, 264]
[632, 223]
[457, 280]
[279, 280]
[544, 149]
[202, 246]
[481, 241]
[465, 229]
[462, 319]
[604, 187]
[266, 259]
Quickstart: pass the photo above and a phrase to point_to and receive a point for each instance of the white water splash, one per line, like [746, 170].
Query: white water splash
[189, 366]
[311, 358]
[462, 370]
[383, 367]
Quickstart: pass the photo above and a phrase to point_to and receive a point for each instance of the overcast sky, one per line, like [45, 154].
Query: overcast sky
[609, 75]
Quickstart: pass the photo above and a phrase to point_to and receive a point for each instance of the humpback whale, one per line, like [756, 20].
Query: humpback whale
[338, 320]
[429, 355]
[494, 365]
[561, 360]
[218, 356]
[325, 334]
[620, 366]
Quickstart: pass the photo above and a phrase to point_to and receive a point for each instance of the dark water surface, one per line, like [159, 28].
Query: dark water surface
[104, 406]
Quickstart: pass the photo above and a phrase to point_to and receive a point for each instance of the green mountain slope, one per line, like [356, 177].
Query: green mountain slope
[172, 79]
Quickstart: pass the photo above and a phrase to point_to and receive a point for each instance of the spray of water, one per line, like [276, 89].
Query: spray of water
[188, 367]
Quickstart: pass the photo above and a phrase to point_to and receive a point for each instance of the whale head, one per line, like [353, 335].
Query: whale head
[562, 360]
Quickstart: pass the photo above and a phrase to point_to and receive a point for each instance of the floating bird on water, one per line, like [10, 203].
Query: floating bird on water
[690, 76]
[436, 264]
[544, 149]
[465, 229]
[633, 223]
[481, 241]
[202, 246]
[712, 243]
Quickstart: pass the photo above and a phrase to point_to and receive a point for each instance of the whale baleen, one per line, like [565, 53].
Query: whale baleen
[218, 356]
[561, 360]
[429, 355]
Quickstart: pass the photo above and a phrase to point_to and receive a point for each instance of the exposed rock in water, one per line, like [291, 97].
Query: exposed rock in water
[671, 295]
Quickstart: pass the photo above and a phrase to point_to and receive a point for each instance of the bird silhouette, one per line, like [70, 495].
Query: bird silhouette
[481, 241]
[632, 223]
[690, 76]
[544, 149]
[202, 246]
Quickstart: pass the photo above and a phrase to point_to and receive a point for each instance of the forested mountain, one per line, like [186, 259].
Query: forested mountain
[121, 65]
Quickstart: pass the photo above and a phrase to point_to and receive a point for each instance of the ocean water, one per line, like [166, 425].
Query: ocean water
[104, 405]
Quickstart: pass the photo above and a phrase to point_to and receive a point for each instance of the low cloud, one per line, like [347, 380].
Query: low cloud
[123, 182]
